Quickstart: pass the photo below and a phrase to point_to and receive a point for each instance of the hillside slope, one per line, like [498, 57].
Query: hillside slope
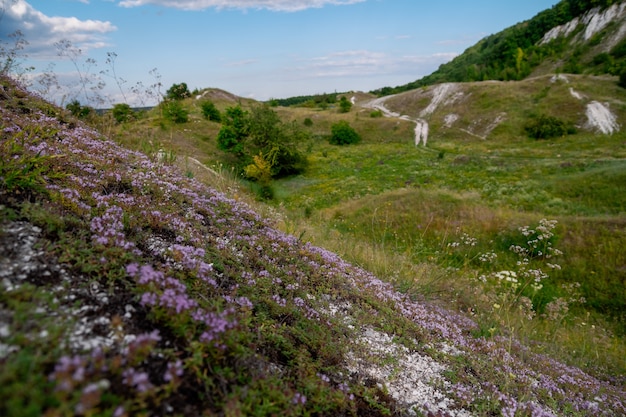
[128, 288]
[580, 37]
[499, 110]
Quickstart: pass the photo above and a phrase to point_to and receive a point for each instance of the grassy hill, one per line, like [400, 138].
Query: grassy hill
[140, 281]
[574, 37]
[478, 273]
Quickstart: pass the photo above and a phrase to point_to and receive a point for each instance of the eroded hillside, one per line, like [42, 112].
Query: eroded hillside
[499, 110]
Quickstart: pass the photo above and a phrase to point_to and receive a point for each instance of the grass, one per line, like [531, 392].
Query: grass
[144, 283]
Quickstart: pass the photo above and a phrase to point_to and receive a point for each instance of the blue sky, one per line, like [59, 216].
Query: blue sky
[255, 48]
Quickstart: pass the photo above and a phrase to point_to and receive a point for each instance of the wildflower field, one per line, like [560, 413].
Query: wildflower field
[128, 286]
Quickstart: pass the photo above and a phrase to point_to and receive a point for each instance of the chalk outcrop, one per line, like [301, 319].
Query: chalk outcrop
[594, 21]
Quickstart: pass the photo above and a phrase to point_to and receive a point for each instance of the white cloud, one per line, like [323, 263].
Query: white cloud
[274, 5]
[359, 63]
[42, 31]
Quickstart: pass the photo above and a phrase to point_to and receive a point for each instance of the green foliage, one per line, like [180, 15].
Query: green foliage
[210, 112]
[234, 131]
[308, 122]
[343, 134]
[546, 127]
[344, 105]
[376, 114]
[178, 92]
[317, 100]
[174, 111]
[77, 110]
[513, 53]
[122, 113]
[21, 172]
[622, 79]
[261, 134]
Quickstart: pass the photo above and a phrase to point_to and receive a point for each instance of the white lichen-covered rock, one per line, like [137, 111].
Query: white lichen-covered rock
[594, 21]
[600, 118]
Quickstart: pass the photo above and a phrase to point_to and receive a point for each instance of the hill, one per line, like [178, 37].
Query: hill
[574, 36]
[130, 288]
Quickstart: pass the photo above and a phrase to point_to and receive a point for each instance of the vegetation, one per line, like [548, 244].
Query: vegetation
[343, 134]
[344, 105]
[142, 277]
[206, 307]
[210, 112]
[317, 100]
[177, 92]
[515, 52]
[546, 127]
[122, 113]
[174, 111]
[264, 146]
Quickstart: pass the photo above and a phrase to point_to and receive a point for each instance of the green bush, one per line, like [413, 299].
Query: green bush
[308, 122]
[545, 127]
[344, 105]
[174, 111]
[260, 133]
[343, 134]
[77, 110]
[178, 92]
[122, 113]
[210, 112]
[234, 131]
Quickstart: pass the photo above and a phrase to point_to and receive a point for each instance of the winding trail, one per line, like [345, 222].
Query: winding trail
[440, 93]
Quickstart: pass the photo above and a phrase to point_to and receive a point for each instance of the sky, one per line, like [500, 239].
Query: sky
[259, 49]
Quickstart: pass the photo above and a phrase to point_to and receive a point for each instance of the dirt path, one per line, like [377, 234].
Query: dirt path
[421, 125]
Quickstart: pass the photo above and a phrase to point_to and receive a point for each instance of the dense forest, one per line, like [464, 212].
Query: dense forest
[513, 53]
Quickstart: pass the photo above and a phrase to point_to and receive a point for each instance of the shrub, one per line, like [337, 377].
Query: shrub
[343, 134]
[545, 127]
[77, 110]
[234, 131]
[210, 112]
[376, 113]
[261, 132]
[308, 122]
[344, 105]
[122, 113]
[174, 111]
[178, 92]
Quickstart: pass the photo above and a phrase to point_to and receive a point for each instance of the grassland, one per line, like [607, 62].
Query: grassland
[394, 208]
[148, 283]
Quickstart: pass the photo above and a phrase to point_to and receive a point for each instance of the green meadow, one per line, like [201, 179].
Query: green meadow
[403, 211]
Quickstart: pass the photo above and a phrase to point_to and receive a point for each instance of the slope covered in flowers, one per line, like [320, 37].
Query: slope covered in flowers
[127, 288]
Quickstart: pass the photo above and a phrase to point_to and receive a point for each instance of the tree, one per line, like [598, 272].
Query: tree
[178, 92]
[343, 134]
[78, 110]
[122, 113]
[210, 112]
[263, 144]
[174, 111]
[276, 141]
[344, 105]
[234, 131]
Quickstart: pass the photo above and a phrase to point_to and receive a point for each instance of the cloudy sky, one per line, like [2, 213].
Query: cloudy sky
[254, 48]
